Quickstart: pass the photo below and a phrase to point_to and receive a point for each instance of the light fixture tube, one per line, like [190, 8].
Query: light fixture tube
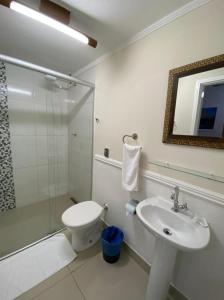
[35, 15]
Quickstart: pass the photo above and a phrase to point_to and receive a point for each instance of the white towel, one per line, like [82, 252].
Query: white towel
[130, 168]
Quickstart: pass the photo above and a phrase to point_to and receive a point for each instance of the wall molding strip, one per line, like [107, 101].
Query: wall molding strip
[207, 195]
[147, 31]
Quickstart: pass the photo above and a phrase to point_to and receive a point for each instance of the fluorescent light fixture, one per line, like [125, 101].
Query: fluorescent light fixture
[33, 14]
[18, 91]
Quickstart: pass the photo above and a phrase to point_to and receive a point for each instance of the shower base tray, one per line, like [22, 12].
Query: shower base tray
[24, 270]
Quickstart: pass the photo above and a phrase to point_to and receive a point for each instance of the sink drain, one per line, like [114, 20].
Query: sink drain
[167, 231]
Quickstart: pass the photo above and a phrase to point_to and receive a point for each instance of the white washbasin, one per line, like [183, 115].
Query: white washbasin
[180, 230]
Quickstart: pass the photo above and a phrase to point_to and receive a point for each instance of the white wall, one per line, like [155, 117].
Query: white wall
[198, 275]
[131, 90]
[39, 137]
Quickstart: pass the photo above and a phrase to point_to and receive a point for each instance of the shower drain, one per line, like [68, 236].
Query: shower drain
[167, 231]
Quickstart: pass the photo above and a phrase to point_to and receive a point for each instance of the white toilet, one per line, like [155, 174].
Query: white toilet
[83, 220]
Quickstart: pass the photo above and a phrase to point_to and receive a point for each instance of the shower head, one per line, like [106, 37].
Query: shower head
[61, 84]
[50, 77]
[64, 85]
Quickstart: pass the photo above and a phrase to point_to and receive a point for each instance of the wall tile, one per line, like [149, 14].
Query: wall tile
[42, 150]
[26, 186]
[21, 117]
[24, 151]
[43, 183]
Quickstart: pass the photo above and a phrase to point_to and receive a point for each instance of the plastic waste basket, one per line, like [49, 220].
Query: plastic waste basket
[111, 239]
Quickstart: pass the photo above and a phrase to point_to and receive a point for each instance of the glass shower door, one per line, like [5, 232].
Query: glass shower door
[38, 139]
[58, 157]
[49, 143]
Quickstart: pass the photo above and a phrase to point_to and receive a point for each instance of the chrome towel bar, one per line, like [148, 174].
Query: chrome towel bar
[134, 136]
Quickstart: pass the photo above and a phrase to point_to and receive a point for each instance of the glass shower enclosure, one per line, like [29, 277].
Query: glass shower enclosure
[46, 130]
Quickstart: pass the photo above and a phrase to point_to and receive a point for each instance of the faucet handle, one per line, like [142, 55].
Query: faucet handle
[175, 193]
[176, 190]
[183, 206]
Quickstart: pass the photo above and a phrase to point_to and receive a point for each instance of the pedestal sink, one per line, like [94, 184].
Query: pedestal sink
[173, 231]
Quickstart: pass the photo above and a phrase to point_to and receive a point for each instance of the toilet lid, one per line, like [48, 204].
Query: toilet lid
[81, 214]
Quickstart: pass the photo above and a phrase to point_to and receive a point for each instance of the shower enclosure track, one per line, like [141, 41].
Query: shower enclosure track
[46, 71]
[32, 244]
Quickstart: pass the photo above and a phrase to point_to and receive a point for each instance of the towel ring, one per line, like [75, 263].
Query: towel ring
[134, 136]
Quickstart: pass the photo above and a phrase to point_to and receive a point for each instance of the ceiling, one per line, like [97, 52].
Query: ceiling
[111, 23]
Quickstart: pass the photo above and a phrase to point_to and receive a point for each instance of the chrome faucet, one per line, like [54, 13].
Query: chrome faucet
[175, 197]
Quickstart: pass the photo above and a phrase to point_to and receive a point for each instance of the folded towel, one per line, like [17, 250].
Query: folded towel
[130, 168]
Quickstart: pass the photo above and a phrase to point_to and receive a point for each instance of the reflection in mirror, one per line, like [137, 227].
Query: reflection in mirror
[200, 105]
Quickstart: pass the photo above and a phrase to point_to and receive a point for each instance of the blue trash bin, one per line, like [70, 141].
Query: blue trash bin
[111, 239]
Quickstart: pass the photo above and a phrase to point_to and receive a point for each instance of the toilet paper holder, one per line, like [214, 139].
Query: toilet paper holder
[131, 207]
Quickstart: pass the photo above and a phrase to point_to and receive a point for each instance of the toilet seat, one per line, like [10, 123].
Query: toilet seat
[82, 214]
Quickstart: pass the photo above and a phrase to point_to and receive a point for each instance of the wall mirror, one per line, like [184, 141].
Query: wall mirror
[195, 104]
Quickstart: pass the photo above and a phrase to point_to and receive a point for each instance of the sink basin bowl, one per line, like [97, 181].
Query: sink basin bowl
[179, 229]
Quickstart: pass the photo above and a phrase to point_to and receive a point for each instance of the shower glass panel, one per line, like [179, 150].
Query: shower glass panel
[50, 137]
[80, 107]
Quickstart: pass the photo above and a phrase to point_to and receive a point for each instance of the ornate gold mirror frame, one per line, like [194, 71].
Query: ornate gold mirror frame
[174, 75]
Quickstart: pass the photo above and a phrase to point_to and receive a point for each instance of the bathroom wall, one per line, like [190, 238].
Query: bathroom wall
[131, 88]
[80, 122]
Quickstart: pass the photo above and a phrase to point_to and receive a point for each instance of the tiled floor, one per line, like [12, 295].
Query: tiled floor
[89, 277]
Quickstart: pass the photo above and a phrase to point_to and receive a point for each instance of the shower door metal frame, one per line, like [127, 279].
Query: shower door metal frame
[30, 66]
[32, 244]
